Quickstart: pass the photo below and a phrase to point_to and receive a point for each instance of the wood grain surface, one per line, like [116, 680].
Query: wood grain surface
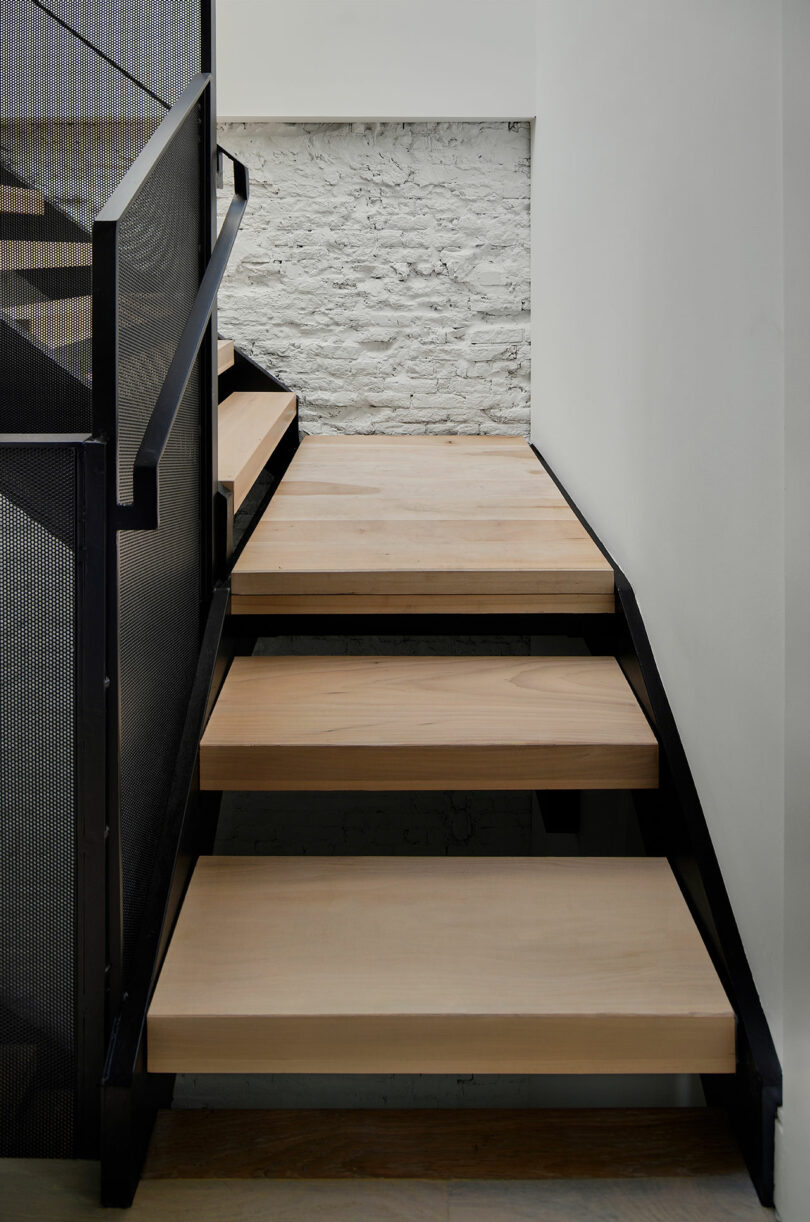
[251, 424]
[225, 354]
[413, 516]
[437, 965]
[395, 723]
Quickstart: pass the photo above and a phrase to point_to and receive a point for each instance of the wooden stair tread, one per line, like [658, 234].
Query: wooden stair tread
[416, 517]
[427, 723]
[442, 1143]
[251, 424]
[55, 323]
[21, 200]
[18, 256]
[225, 354]
[437, 965]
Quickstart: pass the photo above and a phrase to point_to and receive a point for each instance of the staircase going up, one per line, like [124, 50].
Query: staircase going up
[426, 964]
[198, 523]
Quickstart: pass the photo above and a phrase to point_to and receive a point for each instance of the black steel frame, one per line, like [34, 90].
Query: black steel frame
[673, 823]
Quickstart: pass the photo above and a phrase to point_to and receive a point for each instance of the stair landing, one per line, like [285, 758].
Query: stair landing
[373, 524]
[437, 965]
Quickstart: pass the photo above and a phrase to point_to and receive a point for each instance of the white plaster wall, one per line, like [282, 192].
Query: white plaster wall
[375, 59]
[382, 271]
[793, 1166]
[657, 323]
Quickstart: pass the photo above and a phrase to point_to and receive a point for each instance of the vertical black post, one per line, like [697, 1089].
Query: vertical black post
[90, 792]
[105, 425]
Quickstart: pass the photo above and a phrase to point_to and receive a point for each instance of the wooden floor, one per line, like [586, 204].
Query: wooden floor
[441, 524]
[54, 1191]
[409, 723]
[442, 1144]
[437, 965]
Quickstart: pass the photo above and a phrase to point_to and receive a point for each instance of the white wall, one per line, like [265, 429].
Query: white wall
[793, 1171]
[657, 376]
[375, 59]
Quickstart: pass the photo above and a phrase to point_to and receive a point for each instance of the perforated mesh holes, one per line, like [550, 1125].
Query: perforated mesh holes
[37, 813]
[159, 571]
[73, 124]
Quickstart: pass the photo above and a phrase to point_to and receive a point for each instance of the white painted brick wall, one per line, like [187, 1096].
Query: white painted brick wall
[383, 272]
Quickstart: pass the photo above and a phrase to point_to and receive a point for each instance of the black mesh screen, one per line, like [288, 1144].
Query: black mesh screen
[37, 803]
[73, 124]
[159, 571]
[83, 86]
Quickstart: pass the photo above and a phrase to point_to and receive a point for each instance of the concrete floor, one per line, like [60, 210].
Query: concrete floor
[55, 1191]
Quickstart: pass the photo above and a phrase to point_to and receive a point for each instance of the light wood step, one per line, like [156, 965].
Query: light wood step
[442, 524]
[21, 200]
[56, 323]
[19, 256]
[225, 355]
[437, 965]
[251, 424]
[410, 723]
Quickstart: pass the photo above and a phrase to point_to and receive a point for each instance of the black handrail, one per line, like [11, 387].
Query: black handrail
[143, 513]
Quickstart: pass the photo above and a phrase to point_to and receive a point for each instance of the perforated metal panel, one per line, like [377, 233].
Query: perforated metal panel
[159, 571]
[82, 88]
[37, 801]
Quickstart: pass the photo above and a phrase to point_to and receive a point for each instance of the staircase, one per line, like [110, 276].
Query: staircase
[461, 965]
[191, 521]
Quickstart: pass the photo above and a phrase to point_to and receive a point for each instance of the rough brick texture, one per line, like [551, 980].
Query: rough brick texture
[383, 272]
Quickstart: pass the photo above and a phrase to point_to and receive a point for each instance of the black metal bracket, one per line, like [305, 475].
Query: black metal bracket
[560, 810]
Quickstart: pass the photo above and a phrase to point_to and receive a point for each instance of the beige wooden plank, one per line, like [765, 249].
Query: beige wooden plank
[251, 424]
[304, 500]
[427, 723]
[421, 556]
[225, 355]
[56, 323]
[437, 965]
[428, 604]
[21, 200]
[16, 256]
[414, 516]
